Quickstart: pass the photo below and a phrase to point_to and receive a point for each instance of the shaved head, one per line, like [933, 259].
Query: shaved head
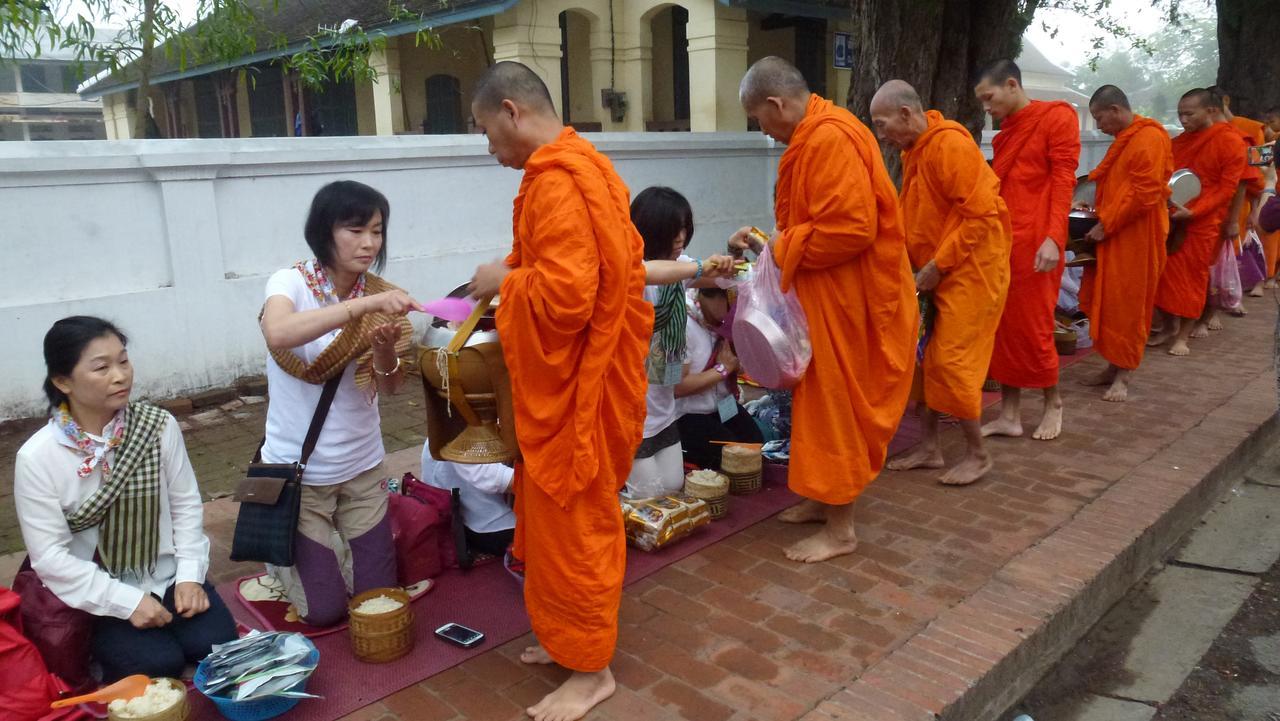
[515, 82]
[897, 94]
[1204, 97]
[1109, 95]
[999, 71]
[771, 77]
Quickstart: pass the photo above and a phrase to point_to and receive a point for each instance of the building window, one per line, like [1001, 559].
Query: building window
[266, 102]
[444, 106]
[208, 107]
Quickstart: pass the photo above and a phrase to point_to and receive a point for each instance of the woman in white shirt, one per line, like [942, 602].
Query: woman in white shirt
[705, 398]
[111, 514]
[665, 221]
[324, 317]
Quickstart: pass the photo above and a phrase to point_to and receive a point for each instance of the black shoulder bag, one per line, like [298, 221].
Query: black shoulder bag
[270, 497]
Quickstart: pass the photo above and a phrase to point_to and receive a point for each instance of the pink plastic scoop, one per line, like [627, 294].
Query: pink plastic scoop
[451, 309]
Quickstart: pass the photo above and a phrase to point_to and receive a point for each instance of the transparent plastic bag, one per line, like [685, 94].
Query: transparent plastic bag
[1225, 291]
[770, 332]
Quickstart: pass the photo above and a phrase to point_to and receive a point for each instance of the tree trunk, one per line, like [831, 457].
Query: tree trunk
[895, 40]
[1248, 64]
[147, 33]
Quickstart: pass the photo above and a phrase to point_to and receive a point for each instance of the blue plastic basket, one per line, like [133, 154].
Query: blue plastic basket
[257, 709]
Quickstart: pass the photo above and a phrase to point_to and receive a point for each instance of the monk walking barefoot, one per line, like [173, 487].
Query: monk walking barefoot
[1118, 292]
[959, 238]
[575, 331]
[1037, 152]
[1212, 149]
[840, 246]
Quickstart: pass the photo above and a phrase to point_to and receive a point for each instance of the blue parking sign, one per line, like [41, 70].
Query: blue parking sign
[842, 56]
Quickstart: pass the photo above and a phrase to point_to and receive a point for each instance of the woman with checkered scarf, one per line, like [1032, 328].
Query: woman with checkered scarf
[111, 514]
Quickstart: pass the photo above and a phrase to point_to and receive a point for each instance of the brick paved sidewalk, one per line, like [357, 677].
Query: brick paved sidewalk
[957, 597]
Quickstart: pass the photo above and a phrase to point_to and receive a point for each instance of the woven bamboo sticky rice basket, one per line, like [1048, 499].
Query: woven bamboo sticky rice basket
[177, 712]
[743, 466]
[710, 487]
[381, 637]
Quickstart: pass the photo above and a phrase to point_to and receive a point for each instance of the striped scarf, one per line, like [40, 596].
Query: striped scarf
[667, 349]
[352, 343]
[126, 507]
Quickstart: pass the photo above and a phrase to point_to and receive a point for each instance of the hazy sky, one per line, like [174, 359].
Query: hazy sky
[1074, 40]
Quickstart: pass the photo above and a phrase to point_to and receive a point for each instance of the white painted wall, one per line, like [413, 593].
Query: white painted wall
[174, 239]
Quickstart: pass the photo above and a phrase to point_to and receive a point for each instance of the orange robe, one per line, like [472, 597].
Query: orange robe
[841, 247]
[1217, 156]
[575, 330]
[1037, 152]
[1119, 291]
[1251, 131]
[955, 217]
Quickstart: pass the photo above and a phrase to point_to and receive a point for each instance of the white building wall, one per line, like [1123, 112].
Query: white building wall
[174, 240]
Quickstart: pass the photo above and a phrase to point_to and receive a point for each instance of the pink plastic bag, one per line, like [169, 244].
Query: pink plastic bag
[1225, 291]
[770, 332]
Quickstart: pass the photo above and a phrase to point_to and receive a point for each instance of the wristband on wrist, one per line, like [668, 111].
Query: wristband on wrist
[719, 368]
[698, 274]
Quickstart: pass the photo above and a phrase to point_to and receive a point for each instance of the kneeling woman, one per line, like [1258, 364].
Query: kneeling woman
[323, 319]
[111, 514]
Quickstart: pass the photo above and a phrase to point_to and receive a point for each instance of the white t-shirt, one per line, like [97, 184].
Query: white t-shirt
[351, 438]
[482, 486]
[700, 342]
[661, 400]
[46, 487]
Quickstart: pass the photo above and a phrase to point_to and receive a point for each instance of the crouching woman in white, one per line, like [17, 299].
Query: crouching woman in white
[110, 510]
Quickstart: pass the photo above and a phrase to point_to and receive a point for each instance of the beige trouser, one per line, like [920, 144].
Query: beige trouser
[351, 507]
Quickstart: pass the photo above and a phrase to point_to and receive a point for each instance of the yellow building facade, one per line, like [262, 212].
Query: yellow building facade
[610, 65]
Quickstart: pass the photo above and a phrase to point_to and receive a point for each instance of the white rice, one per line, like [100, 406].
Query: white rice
[377, 605]
[160, 696]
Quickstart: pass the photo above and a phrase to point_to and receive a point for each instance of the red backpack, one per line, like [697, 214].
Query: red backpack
[423, 529]
[26, 686]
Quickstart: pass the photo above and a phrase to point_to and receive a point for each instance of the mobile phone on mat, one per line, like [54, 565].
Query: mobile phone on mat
[460, 635]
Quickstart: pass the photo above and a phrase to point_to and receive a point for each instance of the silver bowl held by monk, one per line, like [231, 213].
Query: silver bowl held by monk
[1079, 222]
[1184, 187]
[1086, 192]
[762, 345]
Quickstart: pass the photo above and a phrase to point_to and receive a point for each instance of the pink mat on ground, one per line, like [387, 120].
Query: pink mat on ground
[489, 600]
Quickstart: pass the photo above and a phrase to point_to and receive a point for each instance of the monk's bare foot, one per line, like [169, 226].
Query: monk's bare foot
[807, 511]
[1215, 323]
[1160, 338]
[972, 468]
[1256, 291]
[1103, 378]
[1200, 331]
[1238, 312]
[575, 697]
[1050, 425]
[924, 455]
[1180, 348]
[1002, 426]
[536, 655]
[821, 546]
[1118, 392]
[1270, 284]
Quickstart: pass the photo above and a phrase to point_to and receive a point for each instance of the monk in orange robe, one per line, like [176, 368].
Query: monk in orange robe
[575, 330]
[1132, 198]
[1246, 205]
[958, 239]
[1271, 241]
[840, 247]
[1212, 149]
[1037, 152]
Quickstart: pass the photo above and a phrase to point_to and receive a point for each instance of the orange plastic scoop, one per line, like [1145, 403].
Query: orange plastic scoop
[125, 689]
